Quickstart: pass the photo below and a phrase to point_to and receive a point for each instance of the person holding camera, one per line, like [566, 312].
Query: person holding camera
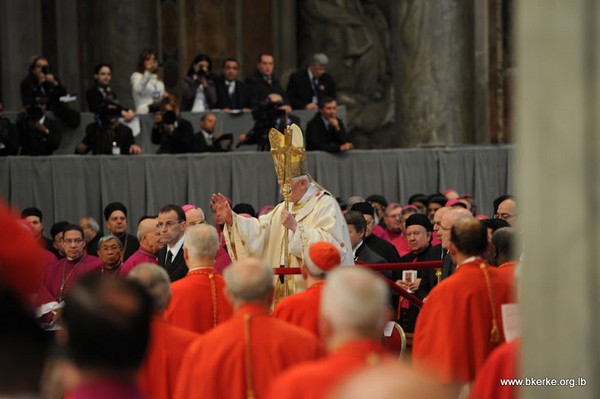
[101, 94]
[174, 134]
[146, 86]
[9, 137]
[271, 113]
[41, 83]
[107, 136]
[198, 91]
[38, 133]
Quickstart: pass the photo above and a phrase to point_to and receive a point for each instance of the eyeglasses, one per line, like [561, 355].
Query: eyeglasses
[72, 240]
[196, 223]
[168, 224]
[111, 248]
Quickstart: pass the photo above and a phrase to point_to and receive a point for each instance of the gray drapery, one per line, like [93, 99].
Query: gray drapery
[69, 187]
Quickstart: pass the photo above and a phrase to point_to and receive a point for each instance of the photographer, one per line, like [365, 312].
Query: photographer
[107, 136]
[198, 91]
[38, 133]
[41, 83]
[101, 94]
[9, 137]
[174, 134]
[146, 86]
[271, 113]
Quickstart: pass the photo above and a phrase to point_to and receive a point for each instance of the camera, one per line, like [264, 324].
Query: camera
[108, 114]
[169, 118]
[45, 70]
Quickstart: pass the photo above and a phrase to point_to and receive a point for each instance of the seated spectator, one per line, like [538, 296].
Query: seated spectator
[308, 86]
[9, 137]
[197, 87]
[326, 132]
[232, 93]
[262, 82]
[38, 133]
[174, 134]
[271, 113]
[208, 140]
[146, 85]
[108, 136]
[40, 83]
[100, 93]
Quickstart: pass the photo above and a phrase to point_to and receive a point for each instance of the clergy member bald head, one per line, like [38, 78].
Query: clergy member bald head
[249, 281]
[468, 238]
[353, 306]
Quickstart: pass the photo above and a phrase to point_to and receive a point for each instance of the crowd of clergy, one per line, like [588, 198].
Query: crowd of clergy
[175, 312]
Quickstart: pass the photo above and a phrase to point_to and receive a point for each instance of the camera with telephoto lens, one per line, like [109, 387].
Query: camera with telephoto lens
[108, 114]
[169, 117]
[45, 70]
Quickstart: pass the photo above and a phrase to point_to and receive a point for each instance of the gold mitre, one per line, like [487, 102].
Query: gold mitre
[290, 144]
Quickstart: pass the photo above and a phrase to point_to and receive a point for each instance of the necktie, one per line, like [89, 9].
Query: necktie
[230, 88]
[268, 79]
[169, 260]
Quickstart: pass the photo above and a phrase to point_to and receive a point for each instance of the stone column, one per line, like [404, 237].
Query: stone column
[20, 38]
[284, 33]
[433, 56]
[116, 31]
[558, 132]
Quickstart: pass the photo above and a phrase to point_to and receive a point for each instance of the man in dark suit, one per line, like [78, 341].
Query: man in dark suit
[115, 217]
[232, 94]
[174, 134]
[208, 139]
[262, 82]
[171, 224]
[418, 235]
[378, 245]
[38, 133]
[270, 113]
[307, 87]
[326, 132]
[357, 227]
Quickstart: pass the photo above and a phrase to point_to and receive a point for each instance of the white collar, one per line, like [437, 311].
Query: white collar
[175, 248]
[471, 259]
[309, 192]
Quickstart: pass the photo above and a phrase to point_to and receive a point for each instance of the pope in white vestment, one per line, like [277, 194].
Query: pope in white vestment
[314, 215]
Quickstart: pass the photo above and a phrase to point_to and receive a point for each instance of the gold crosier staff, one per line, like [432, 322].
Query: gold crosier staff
[285, 151]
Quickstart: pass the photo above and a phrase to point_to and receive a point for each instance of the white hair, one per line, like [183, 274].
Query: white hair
[249, 280]
[319, 59]
[156, 281]
[202, 241]
[355, 299]
[300, 178]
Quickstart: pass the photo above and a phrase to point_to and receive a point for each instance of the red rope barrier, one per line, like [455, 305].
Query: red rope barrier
[378, 267]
